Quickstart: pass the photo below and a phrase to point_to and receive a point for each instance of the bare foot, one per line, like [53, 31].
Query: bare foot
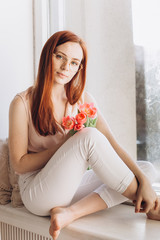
[155, 214]
[60, 217]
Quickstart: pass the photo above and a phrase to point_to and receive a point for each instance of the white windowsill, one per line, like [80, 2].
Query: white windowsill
[117, 223]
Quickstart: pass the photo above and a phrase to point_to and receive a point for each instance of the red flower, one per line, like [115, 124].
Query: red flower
[81, 117]
[86, 117]
[68, 122]
[78, 126]
[89, 109]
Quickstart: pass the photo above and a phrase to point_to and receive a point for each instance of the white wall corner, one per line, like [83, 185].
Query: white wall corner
[41, 29]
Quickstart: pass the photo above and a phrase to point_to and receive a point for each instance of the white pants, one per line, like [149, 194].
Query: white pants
[65, 180]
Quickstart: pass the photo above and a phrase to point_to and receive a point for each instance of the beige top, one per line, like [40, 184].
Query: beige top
[36, 142]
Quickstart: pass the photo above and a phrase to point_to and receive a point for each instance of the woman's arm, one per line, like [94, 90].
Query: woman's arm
[18, 141]
[145, 192]
[103, 127]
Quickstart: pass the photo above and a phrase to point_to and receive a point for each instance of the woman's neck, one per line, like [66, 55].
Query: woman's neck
[58, 93]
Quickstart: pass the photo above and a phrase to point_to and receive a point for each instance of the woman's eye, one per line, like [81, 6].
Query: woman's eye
[74, 63]
[58, 56]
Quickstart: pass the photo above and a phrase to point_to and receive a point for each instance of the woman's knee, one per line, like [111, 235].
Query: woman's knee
[87, 137]
[90, 133]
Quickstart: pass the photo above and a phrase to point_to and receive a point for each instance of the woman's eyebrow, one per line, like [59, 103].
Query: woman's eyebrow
[67, 56]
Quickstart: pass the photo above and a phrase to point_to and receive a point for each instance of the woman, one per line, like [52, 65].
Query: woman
[52, 164]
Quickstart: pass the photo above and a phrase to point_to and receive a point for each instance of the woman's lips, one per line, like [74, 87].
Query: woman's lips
[61, 75]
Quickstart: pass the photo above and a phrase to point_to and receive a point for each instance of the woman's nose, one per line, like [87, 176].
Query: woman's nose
[65, 65]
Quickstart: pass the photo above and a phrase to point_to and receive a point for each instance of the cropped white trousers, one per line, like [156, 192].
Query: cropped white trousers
[65, 180]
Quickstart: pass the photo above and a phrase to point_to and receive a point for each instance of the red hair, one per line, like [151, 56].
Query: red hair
[42, 109]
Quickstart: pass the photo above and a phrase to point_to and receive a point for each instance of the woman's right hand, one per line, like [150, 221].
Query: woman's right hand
[146, 197]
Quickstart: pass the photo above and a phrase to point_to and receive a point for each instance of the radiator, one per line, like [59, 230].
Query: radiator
[10, 232]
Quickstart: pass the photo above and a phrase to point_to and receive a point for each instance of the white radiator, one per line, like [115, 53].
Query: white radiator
[10, 232]
[20, 224]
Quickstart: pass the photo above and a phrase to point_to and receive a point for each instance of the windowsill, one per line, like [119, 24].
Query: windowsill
[117, 223]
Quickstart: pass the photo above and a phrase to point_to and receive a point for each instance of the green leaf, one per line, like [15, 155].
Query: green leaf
[89, 167]
[92, 122]
[72, 132]
[86, 124]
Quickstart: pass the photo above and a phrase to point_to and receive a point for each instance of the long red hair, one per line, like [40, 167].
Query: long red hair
[42, 109]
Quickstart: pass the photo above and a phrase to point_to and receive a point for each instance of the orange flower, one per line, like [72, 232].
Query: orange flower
[68, 122]
[78, 126]
[87, 117]
[81, 117]
[89, 109]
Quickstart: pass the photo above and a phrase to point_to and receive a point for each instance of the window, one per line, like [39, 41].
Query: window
[146, 19]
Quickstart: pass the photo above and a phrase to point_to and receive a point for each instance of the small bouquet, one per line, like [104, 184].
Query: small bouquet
[86, 117]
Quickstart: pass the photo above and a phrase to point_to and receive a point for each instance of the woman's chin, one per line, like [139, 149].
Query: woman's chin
[61, 81]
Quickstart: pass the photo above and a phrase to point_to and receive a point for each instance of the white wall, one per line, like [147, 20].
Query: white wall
[106, 26]
[16, 54]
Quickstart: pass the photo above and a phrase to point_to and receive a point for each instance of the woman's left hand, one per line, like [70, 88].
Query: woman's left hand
[146, 197]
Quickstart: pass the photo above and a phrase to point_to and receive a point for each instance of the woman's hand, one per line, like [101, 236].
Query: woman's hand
[146, 197]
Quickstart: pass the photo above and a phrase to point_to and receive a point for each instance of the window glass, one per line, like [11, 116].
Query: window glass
[146, 20]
